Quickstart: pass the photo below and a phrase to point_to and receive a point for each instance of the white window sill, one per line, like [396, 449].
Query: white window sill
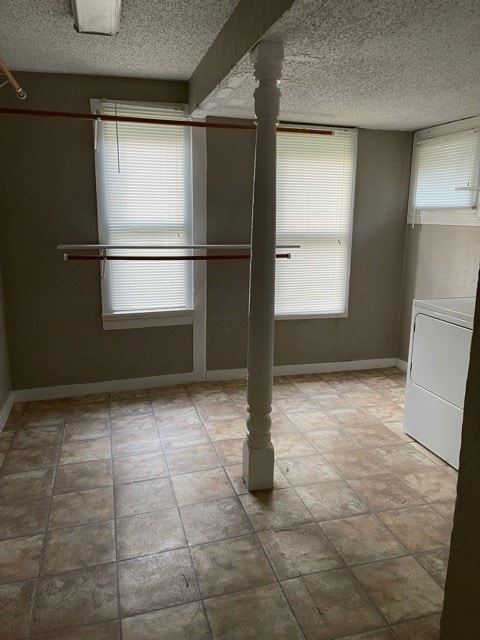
[143, 319]
[309, 316]
[466, 217]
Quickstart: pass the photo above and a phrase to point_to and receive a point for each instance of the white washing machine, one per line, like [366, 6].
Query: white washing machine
[438, 359]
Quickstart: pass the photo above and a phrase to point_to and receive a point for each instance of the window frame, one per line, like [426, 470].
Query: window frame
[344, 314]
[446, 216]
[141, 318]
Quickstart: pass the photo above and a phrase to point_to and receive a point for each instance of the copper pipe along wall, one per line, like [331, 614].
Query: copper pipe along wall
[166, 258]
[21, 94]
[183, 123]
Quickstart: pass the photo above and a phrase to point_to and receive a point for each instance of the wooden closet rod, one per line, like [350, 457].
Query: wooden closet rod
[183, 123]
[68, 256]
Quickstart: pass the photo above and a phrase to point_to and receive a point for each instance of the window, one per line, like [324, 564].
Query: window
[142, 198]
[315, 185]
[445, 176]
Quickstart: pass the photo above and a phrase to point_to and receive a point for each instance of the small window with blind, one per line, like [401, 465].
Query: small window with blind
[142, 199]
[445, 177]
[315, 191]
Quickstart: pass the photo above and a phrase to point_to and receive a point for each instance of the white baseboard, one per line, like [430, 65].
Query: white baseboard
[7, 407]
[401, 364]
[64, 391]
[45, 393]
[299, 369]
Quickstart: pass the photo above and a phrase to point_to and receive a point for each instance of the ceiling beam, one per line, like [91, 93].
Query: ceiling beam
[248, 23]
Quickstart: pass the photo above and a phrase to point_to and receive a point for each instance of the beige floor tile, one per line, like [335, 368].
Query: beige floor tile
[374, 435]
[299, 550]
[289, 445]
[18, 460]
[149, 533]
[31, 485]
[331, 604]
[312, 387]
[326, 440]
[387, 412]
[377, 634]
[262, 612]
[402, 458]
[16, 600]
[20, 558]
[424, 629]
[143, 496]
[5, 439]
[364, 398]
[225, 410]
[156, 582]
[133, 425]
[332, 500]
[193, 459]
[214, 520]
[144, 466]
[37, 437]
[235, 473]
[42, 417]
[85, 450]
[386, 491]
[275, 509]
[82, 507]
[178, 417]
[435, 563]
[331, 400]
[76, 598]
[23, 518]
[229, 451]
[401, 588]
[397, 427]
[89, 399]
[134, 444]
[446, 509]
[434, 484]
[313, 421]
[79, 547]
[87, 430]
[362, 539]
[428, 454]
[201, 486]
[109, 630]
[128, 395]
[226, 429]
[354, 464]
[52, 403]
[83, 475]
[187, 436]
[95, 411]
[418, 528]
[352, 417]
[307, 470]
[184, 622]
[231, 565]
[130, 407]
[296, 404]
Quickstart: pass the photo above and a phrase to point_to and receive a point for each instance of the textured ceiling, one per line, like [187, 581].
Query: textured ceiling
[157, 39]
[393, 64]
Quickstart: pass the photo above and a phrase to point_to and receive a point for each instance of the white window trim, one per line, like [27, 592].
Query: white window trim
[141, 319]
[435, 215]
[344, 314]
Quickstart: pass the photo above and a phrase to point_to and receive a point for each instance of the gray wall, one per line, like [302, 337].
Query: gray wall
[370, 331]
[440, 262]
[4, 364]
[47, 190]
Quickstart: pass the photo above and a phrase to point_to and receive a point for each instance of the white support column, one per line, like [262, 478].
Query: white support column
[258, 456]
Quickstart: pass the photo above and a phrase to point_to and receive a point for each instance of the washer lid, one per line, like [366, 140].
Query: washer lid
[461, 308]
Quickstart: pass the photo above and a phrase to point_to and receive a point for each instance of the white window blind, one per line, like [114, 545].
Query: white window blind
[443, 165]
[144, 170]
[315, 182]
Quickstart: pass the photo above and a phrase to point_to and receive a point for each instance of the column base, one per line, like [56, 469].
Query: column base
[258, 467]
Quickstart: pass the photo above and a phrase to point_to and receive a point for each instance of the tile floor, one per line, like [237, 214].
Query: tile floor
[125, 516]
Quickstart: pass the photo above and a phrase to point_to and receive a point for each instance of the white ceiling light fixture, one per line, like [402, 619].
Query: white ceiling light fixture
[97, 16]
